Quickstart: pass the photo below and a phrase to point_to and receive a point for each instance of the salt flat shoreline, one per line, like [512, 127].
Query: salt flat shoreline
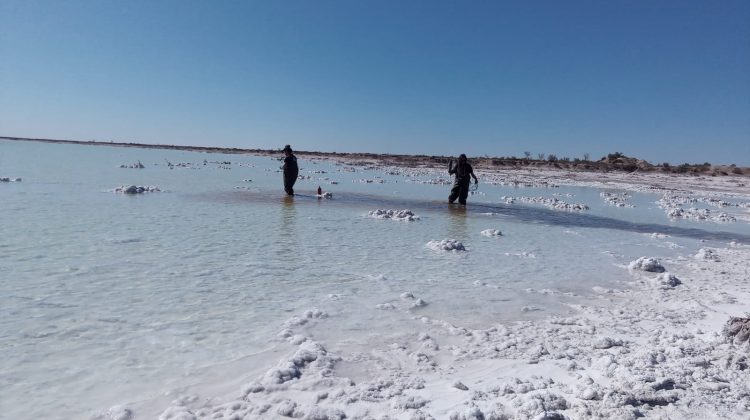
[652, 349]
[431, 161]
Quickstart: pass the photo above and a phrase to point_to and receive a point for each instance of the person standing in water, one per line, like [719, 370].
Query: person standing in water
[291, 170]
[463, 172]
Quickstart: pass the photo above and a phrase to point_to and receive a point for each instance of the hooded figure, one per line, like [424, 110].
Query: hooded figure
[463, 172]
[291, 170]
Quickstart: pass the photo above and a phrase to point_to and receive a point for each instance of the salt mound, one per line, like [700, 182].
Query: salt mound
[617, 199]
[738, 329]
[607, 342]
[659, 235]
[177, 413]
[460, 385]
[724, 218]
[418, 303]
[136, 165]
[672, 205]
[405, 214]
[292, 368]
[552, 203]
[647, 264]
[491, 232]
[667, 280]
[707, 254]
[136, 189]
[9, 179]
[446, 245]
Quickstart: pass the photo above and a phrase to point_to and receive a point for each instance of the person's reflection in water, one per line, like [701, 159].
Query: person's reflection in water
[288, 233]
[457, 222]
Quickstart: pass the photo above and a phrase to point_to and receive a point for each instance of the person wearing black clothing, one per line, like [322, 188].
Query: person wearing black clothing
[291, 170]
[463, 172]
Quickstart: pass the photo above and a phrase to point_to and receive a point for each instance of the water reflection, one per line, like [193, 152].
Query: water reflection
[288, 229]
[457, 222]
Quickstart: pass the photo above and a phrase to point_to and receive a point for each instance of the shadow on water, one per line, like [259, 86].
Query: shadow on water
[458, 214]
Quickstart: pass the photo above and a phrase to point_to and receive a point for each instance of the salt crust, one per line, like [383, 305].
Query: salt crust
[707, 254]
[552, 203]
[136, 165]
[136, 189]
[491, 233]
[9, 179]
[446, 245]
[737, 329]
[617, 199]
[646, 264]
[400, 215]
[647, 357]
[673, 203]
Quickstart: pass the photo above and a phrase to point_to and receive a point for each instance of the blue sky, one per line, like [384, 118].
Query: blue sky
[660, 80]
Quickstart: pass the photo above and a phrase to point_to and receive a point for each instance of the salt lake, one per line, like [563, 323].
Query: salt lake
[124, 305]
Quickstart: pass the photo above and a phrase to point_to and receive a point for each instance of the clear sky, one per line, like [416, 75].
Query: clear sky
[660, 80]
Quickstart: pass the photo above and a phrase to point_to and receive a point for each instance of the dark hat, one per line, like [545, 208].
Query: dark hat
[287, 147]
[463, 156]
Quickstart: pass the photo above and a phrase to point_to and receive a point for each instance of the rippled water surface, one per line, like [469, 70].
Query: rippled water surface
[111, 299]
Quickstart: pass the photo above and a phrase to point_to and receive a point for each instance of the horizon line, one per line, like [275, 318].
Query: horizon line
[237, 150]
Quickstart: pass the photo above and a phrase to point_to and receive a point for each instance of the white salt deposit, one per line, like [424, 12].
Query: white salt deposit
[737, 329]
[137, 165]
[460, 385]
[136, 189]
[418, 303]
[707, 254]
[667, 280]
[552, 203]
[9, 179]
[523, 254]
[646, 264]
[491, 233]
[400, 215]
[407, 295]
[617, 199]
[446, 245]
[659, 235]
[673, 205]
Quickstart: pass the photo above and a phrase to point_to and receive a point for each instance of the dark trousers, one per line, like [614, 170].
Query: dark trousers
[289, 181]
[460, 190]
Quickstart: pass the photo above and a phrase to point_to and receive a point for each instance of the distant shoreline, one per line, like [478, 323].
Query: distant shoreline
[619, 163]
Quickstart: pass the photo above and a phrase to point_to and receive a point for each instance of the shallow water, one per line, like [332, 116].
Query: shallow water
[111, 299]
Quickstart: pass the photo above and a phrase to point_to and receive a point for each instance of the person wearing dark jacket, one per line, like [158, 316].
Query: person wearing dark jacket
[463, 172]
[291, 170]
